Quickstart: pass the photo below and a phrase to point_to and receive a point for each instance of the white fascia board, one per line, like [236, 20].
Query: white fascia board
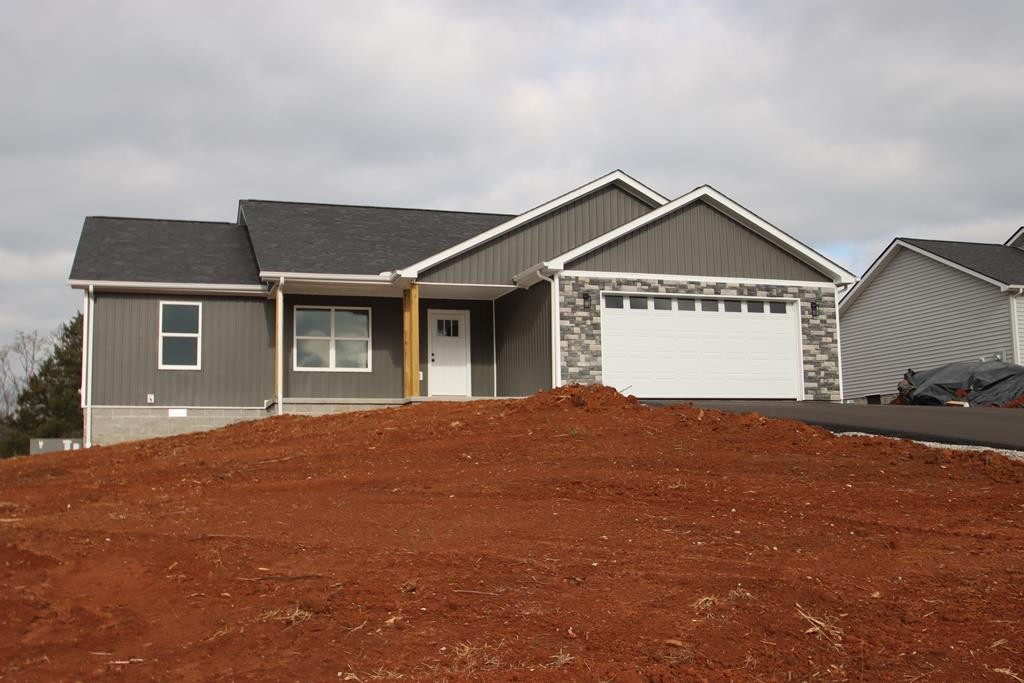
[704, 279]
[323, 277]
[615, 176]
[191, 287]
[1016, 235]
[839, 274]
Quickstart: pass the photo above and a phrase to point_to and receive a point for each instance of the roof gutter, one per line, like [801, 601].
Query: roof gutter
[534, 274]
[183, 287]
[333, 278]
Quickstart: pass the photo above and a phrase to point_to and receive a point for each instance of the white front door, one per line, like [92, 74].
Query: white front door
[448, 369]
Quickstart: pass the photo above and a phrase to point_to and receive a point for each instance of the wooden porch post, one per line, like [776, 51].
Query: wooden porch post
[414, 338]
[411, 341]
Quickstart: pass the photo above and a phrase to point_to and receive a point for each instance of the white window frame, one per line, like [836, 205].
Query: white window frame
[198, 336]
[368, 339]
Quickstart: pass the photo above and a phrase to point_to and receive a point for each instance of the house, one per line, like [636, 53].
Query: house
[924, 303]
[313, 308]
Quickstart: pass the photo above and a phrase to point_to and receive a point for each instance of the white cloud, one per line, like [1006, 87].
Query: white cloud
[843, 123]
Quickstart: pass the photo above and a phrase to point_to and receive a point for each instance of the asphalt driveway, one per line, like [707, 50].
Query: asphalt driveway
[994, 427]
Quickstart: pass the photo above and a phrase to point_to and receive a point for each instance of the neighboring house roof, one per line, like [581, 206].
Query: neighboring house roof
[163, 251]
[293, 238]
[997, 264]
[995, 261]
[732, 208]
[1016, 239]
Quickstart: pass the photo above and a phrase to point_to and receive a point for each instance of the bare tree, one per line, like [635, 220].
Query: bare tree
[19, 360]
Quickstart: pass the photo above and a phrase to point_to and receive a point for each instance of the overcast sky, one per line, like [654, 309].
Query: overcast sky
[844, 123]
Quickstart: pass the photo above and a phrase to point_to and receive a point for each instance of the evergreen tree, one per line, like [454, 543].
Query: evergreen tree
[49, 406]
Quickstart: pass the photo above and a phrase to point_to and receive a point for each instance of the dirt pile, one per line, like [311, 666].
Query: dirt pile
[574, 535]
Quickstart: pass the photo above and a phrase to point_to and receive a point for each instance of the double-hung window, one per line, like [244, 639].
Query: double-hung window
[181, 327]
[332, 338]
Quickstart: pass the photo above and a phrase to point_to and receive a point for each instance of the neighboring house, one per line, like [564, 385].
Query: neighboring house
[924, 303]
[312, 308]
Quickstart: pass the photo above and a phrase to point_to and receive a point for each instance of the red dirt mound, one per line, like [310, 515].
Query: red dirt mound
[575, 535]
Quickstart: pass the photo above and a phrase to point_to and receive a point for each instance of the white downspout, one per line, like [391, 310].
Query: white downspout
[88, 327]
[556, 365]
[839, 345]
[279, 344]
[1015, 327]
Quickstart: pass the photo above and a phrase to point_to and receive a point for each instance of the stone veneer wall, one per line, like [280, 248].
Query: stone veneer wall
[580, 328]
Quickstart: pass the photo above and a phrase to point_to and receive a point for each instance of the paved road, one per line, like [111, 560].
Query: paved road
[995, 427]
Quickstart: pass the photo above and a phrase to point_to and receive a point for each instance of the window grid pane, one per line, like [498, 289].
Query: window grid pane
[332, 338]
[183, 351]
[180, 318]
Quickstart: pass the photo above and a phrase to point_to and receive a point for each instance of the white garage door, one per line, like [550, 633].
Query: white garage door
[688, 347]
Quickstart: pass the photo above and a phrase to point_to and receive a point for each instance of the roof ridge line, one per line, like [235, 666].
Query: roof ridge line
[374, 206]
[983, 244]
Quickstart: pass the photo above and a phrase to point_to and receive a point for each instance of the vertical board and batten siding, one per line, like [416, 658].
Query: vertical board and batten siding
[697, 239]
[385, 379]
[481, 342]
[498, 260]
[523, 340]
[918, 313]
[237, 348]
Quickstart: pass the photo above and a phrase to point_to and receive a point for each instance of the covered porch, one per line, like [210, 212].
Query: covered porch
[345, 344]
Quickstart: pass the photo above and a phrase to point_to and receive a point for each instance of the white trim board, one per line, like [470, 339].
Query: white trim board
[751, 220]
[169, 287]
[615, 177]
[704, 279]
[888, 254]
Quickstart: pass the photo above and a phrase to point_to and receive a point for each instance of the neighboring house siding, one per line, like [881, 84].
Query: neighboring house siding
[697, 240]
[523, 333]
[1019, 301]
[385, 380]
[237, 353]
[498, 260]
[481, 341]
[918, 313]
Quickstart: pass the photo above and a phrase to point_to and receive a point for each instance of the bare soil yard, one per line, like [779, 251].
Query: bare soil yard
[576, 535]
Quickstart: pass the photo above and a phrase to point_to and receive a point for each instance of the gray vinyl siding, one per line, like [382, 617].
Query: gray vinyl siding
[523, 333]
[237, 353]
[385, 380]
[697, 239]
[481, 342]
[918, 313]
[1020, 325]
[498, 260]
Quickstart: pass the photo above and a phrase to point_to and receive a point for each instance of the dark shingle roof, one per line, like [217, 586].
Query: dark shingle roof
[358, 240]
[147, 250]
[999, 262]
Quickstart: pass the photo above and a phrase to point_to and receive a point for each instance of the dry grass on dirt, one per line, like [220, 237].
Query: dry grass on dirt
[575, 535]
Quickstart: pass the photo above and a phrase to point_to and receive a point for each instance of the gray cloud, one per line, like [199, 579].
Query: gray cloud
[843, 123]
